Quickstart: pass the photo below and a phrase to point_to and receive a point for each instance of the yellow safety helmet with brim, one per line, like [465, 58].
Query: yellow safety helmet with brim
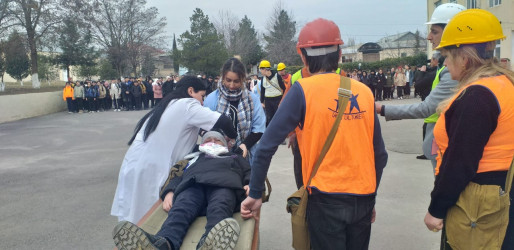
[471, 27]
[265, 64]
[281, 66]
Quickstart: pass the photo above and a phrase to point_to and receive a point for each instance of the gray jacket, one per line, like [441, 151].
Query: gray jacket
[78, 91]
[444, 90]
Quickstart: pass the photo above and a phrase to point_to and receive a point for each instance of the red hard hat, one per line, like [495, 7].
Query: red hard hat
[320, 32]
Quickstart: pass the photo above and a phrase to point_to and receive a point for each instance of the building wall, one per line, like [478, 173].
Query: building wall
[503, 12]
[395, 53]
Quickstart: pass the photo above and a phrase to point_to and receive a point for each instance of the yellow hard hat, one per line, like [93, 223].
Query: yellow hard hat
[264, 64]
[470, 27]
[281, 66]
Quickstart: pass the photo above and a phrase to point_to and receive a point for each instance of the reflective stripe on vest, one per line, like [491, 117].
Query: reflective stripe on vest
[499, 150]
[272, 87]
[349, 165]
[433, 118]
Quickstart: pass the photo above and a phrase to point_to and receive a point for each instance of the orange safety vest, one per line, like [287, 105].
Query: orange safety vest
[67, 93]
[349, 165]
[499, 150]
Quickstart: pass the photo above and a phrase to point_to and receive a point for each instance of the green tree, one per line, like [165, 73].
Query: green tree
[202, 46]
[244, 43]
[87, 71]
[16, 58]
[280, 40]
[106, 70]
[45, 68]
[75, 44]
[175, 56]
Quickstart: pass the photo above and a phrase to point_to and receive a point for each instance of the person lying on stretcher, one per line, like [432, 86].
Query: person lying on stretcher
[212, 184]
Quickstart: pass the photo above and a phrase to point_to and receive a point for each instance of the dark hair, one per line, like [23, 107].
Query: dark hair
[154, 116]
[234, 65]
[326, 63]
[442, 25]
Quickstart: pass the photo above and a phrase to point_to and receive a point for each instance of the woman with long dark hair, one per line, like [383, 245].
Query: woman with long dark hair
[244, 108]
[161, 138]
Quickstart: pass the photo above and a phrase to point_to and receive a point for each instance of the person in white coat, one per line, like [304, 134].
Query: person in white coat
[163, 137]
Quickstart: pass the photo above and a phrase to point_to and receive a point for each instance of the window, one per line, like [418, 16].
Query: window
[437, 3]
[497, 50]
[452, 1]
[472, 4]
[493, 3]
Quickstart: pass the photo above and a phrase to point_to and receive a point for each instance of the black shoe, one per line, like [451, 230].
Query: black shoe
[128, 236]
[223, 236]
[421, 157]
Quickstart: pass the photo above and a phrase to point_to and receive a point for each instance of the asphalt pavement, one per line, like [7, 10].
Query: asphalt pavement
[58, 175]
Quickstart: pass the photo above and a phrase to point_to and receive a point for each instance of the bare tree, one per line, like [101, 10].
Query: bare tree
[5, 17]
[38, 18]
[144, 33]
[226, 23]
[124, 28]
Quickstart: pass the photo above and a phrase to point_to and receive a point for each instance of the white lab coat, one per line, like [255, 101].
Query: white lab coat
[146, 165]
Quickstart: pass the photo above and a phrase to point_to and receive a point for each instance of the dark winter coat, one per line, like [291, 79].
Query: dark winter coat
[167, 87]
[230, 171]
[136, 90]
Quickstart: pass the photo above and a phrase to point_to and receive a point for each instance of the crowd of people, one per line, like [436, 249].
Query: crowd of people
[339, 166]
[383, 84]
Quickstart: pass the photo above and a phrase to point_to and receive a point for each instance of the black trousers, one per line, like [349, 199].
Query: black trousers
[198, 200]
[91, 104]
[271, 106]
[399, 91]
[137, 101]
[406, 89]
[378, 90]
[69, 102]
[100, 103]
[80, 103]
[297, 164]
[144, 99]
[107, 103]
[339, 221]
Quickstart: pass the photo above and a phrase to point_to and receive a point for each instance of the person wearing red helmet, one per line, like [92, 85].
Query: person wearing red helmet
[341, 200]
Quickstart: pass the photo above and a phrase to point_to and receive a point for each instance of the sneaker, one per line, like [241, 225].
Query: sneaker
[128, 236]
[421, 157]
[223, 236]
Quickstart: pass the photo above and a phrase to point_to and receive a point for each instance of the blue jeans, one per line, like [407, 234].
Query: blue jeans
[198, 200]
[338, 221]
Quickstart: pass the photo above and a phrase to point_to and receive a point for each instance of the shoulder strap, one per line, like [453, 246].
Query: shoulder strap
[344, 93]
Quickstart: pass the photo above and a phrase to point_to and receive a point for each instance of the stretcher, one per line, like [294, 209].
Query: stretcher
[248, 235]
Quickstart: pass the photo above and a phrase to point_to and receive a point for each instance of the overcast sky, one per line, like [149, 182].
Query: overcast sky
[364, 20]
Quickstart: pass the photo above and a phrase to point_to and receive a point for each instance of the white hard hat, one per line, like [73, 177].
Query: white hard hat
[444, 12]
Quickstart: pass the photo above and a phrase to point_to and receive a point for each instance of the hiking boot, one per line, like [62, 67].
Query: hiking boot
[223, 236]
[128, 236]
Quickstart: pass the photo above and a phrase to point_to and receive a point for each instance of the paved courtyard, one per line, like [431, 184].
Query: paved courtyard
[58, 174]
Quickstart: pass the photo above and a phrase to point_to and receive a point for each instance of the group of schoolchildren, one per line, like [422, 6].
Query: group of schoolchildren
[383, 84]
[128, 94]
